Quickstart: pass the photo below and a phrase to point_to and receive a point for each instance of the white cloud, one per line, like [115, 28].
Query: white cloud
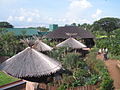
[29, 19]
[97, 14]
[20, 18]
[10, 18]
[24, 15]
[16, 18]
[75, 13]
[79, 4]
[76, 10]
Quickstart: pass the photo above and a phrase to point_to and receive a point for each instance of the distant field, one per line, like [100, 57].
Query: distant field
[5, 79]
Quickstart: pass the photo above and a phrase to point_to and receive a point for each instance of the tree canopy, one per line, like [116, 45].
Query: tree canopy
[5, 25]
[43, 29]
[106, 24]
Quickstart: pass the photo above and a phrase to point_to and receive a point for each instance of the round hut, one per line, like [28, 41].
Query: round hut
[31, 65]
[41, 46]
[72, 43]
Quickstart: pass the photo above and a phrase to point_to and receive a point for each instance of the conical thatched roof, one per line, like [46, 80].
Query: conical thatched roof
[76, 32]
[41, 46]
[71, 42]
[30, 63]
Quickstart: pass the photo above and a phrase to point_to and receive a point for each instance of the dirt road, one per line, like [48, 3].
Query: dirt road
[113, 70]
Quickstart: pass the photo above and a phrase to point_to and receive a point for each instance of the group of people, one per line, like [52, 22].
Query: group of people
[104, 51]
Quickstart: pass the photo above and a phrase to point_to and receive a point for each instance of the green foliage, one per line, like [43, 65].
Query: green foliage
[57, 53]
[98, 67]
[68, 80]
[62, 87]
[112, 43]
[94, 79]
[5, 25]
[43, 29]
[80, 73]
[73, 24]
[70, 60]
[106, 24]
[107, 84]
[81, 77]
[86, 26]
[9, 44]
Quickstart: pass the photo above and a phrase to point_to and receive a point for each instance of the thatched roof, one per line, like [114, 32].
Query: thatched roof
[41, 46]
[71, 42]
[65, 32]
[30, 63]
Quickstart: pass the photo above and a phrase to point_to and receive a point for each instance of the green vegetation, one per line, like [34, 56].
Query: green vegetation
[97, 67]
[5, 25]
[85, 71]
[5, 79]
[9, 44]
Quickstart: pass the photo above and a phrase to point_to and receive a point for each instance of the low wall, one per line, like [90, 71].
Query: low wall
[17, 85]
[20, 85]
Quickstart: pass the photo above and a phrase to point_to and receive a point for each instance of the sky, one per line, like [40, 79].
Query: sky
[33, 13]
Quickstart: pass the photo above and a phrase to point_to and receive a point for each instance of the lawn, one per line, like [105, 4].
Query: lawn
[5, 79]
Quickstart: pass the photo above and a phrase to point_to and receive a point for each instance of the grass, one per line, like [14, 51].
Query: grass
[114, 57]
[5, 79]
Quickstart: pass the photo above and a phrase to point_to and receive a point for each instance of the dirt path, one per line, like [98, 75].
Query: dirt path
[113, 70]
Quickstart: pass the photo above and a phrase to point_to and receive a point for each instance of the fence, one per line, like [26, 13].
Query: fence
[89, 87]
[20, 85]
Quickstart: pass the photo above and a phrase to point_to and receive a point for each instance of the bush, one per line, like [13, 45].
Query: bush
[107, 84]
[81, 76]
[98, 67]
[94, 79]
[71, 60]
[62, 87]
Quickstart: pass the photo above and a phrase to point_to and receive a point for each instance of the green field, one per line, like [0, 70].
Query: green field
[5, 79]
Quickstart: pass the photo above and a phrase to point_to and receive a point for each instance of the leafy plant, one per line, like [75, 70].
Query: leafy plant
[107, 84]
[62, 87]
[71, 60]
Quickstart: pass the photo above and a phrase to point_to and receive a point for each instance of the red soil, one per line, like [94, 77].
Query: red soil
[113, 70]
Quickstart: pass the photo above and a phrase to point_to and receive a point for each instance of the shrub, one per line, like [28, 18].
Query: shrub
[80, 76]
[98, 67]
[62, 87]
[94, 79]
[107, 84]
[70, 60]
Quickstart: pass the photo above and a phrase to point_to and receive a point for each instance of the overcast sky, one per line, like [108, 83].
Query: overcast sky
[25, 13]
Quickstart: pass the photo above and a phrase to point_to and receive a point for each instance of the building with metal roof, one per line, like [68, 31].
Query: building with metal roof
[23, 31]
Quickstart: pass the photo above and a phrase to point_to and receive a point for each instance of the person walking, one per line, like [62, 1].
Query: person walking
[105, 53]
[100, 51]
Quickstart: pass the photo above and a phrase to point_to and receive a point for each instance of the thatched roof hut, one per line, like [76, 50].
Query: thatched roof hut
[72, 43]
[30, 63]
[65, 32]
[41, 46]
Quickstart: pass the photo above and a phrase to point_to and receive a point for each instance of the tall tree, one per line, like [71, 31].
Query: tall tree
[86, 26]
[5, 25]
[43, 29]
[106, 24]
[73, 24]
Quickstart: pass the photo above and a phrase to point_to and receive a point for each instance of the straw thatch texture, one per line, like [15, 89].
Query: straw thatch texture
[30, 63]
[76, 32]
[40, 46]
[71, 42]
